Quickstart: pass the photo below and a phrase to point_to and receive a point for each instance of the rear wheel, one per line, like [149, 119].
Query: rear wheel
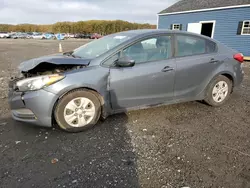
[218, 91]
[78, 111]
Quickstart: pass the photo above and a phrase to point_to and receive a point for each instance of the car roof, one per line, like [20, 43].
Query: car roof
[145, 32]
[150, 31]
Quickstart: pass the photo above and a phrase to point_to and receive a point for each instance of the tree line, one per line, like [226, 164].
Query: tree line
[91, 26]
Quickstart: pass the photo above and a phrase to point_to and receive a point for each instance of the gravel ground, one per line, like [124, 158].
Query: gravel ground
[182, 145]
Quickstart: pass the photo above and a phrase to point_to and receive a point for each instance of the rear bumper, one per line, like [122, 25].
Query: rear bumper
[239, 76]
[34, 107]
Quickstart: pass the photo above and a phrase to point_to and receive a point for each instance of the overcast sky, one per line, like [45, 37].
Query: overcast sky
[51, 11]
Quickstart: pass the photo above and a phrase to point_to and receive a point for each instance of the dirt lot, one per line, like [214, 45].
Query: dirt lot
[183, 145]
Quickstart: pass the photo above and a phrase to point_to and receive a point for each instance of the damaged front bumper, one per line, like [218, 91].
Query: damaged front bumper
[34, 107]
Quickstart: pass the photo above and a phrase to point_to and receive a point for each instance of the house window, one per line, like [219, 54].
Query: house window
[246, 28]
[176, 27]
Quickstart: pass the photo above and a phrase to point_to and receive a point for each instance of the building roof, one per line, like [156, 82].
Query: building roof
[189, 5]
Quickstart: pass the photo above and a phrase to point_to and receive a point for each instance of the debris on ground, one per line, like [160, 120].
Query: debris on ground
[4, 123]
[54, 161]
[18, 142]
[74, 181]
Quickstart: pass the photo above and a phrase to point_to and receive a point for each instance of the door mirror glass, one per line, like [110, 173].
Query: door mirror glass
[125, 62]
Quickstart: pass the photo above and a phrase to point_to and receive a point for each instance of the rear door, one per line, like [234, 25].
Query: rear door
[196, 59]
[150, 81]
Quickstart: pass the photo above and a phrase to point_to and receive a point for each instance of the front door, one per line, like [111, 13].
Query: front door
[150, 81]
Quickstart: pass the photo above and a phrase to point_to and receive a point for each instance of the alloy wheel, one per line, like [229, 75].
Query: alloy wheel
[79, 112]
[220, 91]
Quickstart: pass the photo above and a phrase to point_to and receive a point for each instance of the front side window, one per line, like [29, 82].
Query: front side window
[246, 28]
[189, 45]
[152, 49]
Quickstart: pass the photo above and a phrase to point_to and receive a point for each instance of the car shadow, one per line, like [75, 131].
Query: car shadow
[44, 157]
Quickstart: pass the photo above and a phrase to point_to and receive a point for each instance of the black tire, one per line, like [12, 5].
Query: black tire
[209, 96]
[59, 110]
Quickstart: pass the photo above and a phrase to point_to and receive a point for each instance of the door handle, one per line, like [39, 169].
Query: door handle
[167, 68]
[213, 61]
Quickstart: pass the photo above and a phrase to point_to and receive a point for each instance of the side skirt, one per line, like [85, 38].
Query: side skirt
[153, 105]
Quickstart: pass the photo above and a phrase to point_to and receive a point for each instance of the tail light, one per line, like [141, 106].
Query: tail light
[239, 57]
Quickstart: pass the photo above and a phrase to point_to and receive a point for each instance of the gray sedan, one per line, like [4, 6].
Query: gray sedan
[120, 72]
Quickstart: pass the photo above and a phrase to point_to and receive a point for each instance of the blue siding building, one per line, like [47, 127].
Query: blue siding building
[227, 21]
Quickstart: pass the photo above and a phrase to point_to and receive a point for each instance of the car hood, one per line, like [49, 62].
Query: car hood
[57, 59]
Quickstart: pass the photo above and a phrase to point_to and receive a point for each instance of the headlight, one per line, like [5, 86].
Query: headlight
[36, 83]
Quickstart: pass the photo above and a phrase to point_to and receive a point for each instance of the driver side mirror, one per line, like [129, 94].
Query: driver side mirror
[125, 62]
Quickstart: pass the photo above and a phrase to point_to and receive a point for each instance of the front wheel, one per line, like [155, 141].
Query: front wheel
[77, 111]
[218, 91]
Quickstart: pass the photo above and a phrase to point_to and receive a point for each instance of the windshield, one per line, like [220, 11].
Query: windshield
[98, 47]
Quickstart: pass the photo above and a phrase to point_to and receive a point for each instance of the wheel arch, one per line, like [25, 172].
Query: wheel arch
[95, 92]
[230, 77]
[227, 74]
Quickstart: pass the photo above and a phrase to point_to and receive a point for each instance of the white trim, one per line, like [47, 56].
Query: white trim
[243, 27]
[194, 28]
[157, 26]
[208, 9]
[210, 21]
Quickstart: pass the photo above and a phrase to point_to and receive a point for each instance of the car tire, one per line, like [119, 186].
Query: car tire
[218, 91]
[85, 116]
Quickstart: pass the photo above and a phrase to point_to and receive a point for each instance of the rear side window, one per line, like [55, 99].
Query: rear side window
[189, 45]
[211, 47]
